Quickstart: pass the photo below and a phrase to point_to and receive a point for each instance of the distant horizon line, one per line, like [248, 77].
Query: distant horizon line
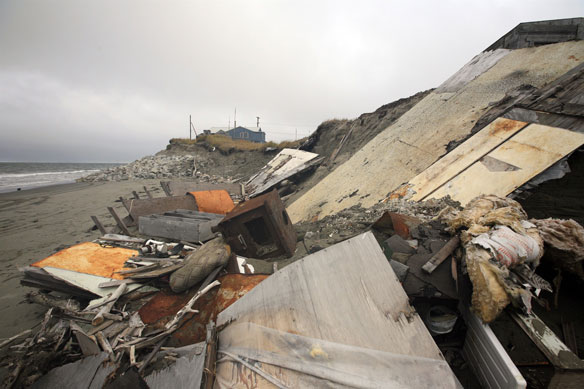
[63, 162]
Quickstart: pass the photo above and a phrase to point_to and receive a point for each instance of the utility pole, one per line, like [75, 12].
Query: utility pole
[258, 122]
[296, 136]
[235, 118]
[191, 128]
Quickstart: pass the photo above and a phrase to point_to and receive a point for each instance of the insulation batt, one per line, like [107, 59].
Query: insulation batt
[496, 237]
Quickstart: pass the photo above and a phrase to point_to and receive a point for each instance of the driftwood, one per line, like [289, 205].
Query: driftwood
[99, 318]
[189, 305]
[53, 302]
[13, 338]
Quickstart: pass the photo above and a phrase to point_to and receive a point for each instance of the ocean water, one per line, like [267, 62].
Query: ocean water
[28, 175]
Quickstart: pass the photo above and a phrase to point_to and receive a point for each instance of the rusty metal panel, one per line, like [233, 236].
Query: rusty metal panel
[213, 201]
[259, 228]
[90, 258]
[165, 304]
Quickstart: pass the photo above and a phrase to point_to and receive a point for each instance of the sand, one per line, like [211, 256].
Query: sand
[35, 223]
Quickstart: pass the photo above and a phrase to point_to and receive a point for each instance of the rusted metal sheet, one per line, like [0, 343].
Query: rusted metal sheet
[90, 258]
[213, 201]
[286, 164]
[259, 228]
[165, 304]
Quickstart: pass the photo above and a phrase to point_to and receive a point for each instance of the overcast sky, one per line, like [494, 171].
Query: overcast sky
[112, 81]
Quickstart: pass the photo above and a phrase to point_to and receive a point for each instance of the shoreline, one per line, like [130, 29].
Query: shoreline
[34, 223]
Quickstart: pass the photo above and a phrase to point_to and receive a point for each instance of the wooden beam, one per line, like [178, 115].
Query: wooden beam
[441, 255]
[136, 196]
[147, 192]
[119, 221]
[98, 224]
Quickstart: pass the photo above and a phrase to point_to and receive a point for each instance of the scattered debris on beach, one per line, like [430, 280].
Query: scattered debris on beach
[444, 279]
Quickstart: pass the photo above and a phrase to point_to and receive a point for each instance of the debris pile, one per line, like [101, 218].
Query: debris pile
[152, 166]
[215, 285]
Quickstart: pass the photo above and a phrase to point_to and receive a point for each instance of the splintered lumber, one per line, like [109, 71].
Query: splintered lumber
[50, 301]
[119, 221]
[99, 318]
[87, 345]
[189, 305]
[13, 338]
[98, 224]
[441, 255]
[103, 342]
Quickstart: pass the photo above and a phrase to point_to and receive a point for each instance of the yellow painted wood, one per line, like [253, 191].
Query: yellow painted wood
[463, 156]
[532, 150]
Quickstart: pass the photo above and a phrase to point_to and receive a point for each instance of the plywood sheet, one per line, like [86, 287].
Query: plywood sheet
[90, 258]
[287, 163]
[463, 156]
[531, 151]
[347, 293]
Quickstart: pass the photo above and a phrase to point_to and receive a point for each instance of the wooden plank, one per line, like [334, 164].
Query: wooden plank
[548, 343]
[463, 156]
[441, 255]
[79, 374]
[147, 192]
[119, 221]
[532, 151]
[98, 225]
[136, 196]
[159, 205]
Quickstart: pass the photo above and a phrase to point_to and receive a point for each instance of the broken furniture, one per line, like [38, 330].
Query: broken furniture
[180, 225]
[259, 228]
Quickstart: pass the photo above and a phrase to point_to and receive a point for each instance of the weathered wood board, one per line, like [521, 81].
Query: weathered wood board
[529, 152]
[159, 205]
[463, 156]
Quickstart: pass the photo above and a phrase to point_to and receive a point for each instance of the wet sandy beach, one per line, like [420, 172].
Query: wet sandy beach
[35, 223]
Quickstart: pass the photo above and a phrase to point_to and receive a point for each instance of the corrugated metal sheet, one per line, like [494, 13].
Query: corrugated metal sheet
[488, 358]
[287, 163]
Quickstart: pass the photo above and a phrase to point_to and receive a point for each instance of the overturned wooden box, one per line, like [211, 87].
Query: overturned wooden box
[259, 228]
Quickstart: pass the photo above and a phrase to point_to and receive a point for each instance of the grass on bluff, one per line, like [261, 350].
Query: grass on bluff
[227, 145]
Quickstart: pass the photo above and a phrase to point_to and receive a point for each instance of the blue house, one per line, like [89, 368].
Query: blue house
[243, 133]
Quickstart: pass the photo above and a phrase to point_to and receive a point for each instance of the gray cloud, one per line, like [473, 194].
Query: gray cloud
[112, 81]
